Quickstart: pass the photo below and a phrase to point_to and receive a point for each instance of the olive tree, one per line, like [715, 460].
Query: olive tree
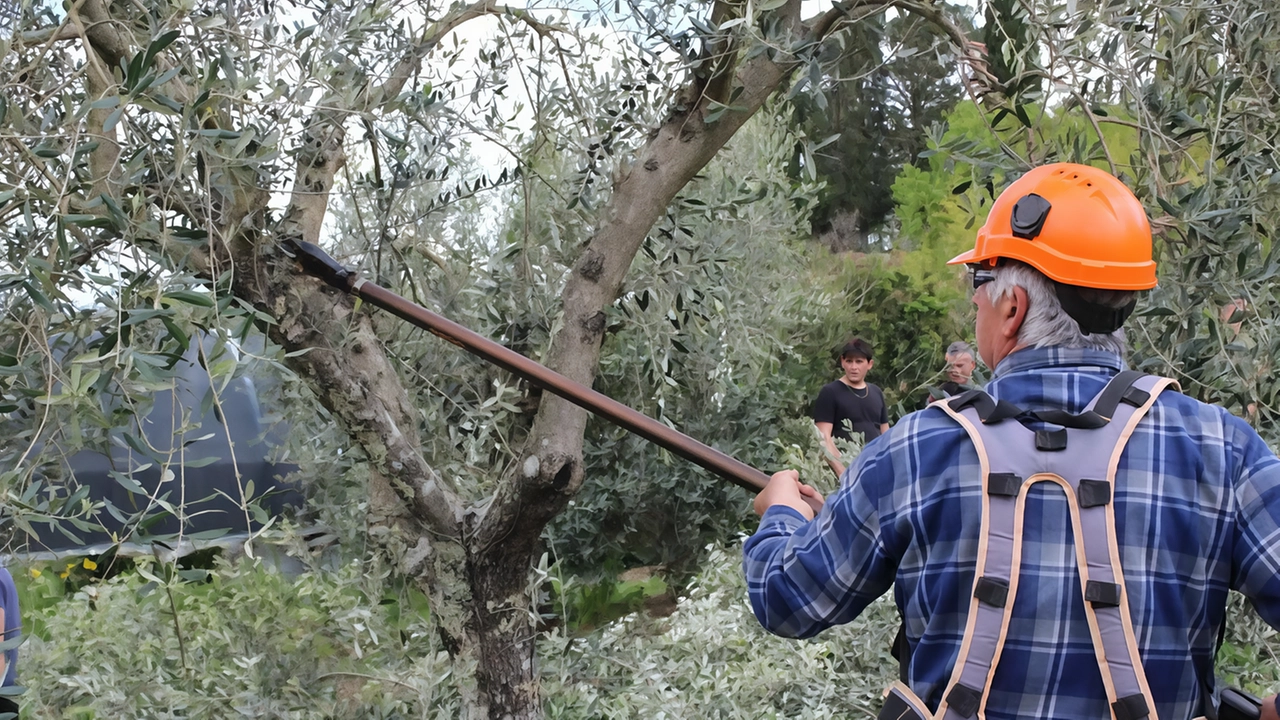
[164, 158]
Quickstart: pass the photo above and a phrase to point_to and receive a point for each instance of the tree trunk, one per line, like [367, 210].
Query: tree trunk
[506, 676]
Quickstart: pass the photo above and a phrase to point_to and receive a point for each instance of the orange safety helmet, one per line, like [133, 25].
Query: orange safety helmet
[1076, 224]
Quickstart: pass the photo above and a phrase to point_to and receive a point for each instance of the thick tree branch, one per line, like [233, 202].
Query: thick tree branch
[348, 365]
[552, 470]
[103, 161]
[346, 362]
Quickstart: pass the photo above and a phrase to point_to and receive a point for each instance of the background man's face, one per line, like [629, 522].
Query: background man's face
[960, 368]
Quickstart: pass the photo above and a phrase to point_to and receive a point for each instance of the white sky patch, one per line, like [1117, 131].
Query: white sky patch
[487, 148]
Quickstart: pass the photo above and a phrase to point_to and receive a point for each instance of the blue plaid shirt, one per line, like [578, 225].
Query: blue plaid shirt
[1197, 511]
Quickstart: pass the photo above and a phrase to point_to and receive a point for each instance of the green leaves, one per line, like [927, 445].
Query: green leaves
[114, 118]
[138, 73]
[189, 297]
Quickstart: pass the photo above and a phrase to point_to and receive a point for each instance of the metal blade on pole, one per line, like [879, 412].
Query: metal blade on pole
[318, 263]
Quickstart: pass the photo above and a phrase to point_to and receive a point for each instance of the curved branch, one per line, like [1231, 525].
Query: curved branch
[58, 33]
[971, 53]
[438, 31]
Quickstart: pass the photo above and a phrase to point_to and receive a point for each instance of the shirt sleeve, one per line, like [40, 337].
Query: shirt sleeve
[884, 408]
[824, 408]
[1256, 557]
[804, 577]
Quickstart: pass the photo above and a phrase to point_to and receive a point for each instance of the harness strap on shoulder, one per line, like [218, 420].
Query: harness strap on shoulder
[991, 411]
[1120, 389]
[988, 408]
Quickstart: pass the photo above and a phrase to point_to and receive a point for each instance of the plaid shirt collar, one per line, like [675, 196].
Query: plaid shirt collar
[1057, 357]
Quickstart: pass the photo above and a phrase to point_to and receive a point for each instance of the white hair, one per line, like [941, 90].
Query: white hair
[961, 347]
[1046, 323]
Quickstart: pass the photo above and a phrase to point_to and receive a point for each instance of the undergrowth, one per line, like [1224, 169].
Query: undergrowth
[345, 642]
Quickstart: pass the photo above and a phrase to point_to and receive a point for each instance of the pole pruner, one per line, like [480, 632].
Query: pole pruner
[318, 263]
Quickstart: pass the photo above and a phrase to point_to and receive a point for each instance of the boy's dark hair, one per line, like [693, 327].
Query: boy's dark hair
[854, 348]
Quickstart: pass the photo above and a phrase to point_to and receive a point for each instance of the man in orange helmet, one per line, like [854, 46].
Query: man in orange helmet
[1061, 545]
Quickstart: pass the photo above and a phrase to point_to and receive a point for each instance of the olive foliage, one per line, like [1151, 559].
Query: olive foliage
[1178, 101]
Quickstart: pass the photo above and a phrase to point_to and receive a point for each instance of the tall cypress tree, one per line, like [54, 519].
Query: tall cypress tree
[893, 78]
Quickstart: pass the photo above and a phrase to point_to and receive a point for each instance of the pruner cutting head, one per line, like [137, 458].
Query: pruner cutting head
[317, 262]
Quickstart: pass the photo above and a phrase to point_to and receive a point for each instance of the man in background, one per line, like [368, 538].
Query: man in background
[958, 371]
[961, 364]
[850, 404]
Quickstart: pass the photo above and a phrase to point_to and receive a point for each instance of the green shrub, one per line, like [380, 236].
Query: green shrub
[249, 642]
[347, 643]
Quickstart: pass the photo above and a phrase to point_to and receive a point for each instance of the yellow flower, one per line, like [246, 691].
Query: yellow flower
[90, 565]
[35, 573]
[64, 575]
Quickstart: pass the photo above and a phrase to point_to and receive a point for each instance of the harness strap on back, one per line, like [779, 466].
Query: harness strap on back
[1024, 457]
[1095, 416]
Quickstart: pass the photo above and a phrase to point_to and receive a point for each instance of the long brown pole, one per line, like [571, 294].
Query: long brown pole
[317, 262]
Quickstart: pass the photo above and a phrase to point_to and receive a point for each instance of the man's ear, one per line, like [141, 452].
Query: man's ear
[1015, 312]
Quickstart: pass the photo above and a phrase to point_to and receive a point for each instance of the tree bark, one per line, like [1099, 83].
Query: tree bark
[506, 676]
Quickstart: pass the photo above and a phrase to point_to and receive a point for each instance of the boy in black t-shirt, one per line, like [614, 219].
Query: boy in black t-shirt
[852, 400]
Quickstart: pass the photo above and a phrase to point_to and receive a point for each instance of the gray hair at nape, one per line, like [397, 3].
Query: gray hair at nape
[1046, 323]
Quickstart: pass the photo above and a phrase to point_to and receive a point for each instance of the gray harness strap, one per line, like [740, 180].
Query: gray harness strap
[1082, 463]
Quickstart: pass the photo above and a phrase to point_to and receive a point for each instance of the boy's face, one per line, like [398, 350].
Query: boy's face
[855, 368]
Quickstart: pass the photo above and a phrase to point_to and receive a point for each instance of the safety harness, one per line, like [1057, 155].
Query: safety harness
[1080, 457]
